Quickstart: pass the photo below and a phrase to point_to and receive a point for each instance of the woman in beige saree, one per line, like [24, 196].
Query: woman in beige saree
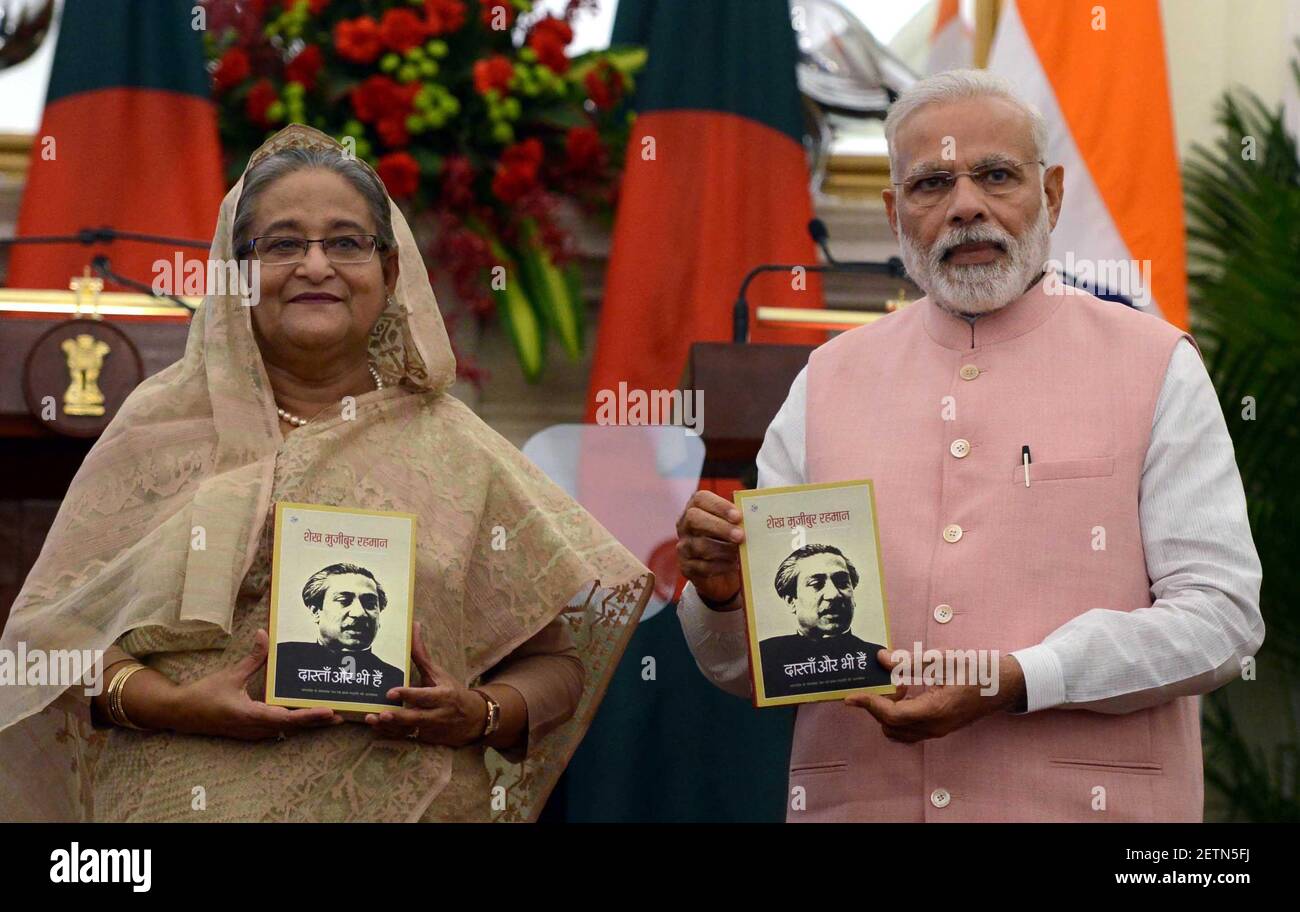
[334, 393]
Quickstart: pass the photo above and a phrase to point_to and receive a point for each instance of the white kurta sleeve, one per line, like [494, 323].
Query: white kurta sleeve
[1205, 574]
[717, 638]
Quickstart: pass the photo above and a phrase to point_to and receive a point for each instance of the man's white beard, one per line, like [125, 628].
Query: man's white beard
[978, 288]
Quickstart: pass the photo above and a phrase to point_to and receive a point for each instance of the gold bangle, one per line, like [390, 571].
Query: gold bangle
[116, 710]
[111, 690]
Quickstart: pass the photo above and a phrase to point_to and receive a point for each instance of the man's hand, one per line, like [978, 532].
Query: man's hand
[942, 708]
[708, 546]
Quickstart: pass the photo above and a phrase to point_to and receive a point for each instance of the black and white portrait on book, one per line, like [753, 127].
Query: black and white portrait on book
[816, 586]
[813, 579]
[341, 616]
[335, 648]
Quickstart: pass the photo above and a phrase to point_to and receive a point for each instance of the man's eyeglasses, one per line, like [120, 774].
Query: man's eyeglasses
[996, 179]
[348, 249]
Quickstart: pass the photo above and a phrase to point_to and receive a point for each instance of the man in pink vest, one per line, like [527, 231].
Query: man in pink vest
[1055, 486]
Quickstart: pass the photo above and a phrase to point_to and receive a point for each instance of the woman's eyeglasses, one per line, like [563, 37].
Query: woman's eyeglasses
[996, 179]
[347, 249]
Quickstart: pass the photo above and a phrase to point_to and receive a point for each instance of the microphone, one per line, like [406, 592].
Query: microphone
[893, 267]
[817, 228]
[102, 235]
[100, 264]
[105, 234]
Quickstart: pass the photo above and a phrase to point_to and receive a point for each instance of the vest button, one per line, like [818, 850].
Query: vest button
[951, 532]
[959, 447]
[943, 613]
[940, 798]
[969, 371]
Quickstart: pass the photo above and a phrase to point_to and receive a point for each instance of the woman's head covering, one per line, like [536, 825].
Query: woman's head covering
[161, 524]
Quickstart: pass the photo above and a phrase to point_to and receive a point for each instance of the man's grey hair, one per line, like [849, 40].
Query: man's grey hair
[288, 161]
[955, 85]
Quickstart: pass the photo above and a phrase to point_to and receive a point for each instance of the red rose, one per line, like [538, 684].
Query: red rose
[402, 29]
[392, 131]
[548, 39]
[583, 150]
[260, 97]
[555, 28]
[516, 174]
[605, 85]
[400, 174]
[511, 183]
[443, 16]
[529, 152]
[493, 12]
[232, 69]
[358, 40]
[303, 68]
[493, 73]
[382, 102]
[379, 97]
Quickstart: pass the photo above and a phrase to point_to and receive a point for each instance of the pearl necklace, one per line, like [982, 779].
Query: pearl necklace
[299, 422]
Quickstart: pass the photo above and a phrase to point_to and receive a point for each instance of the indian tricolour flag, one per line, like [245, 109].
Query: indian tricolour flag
[1098, 74]
[952, 45]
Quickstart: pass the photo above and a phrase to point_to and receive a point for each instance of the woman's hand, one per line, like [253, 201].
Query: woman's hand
[441, 712]
[219, 704]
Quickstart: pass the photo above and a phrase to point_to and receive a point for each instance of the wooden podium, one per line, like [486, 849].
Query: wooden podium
[743, 385]
[70, 360]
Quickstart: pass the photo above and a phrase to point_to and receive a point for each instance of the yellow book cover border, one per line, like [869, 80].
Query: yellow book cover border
[751, 627]
[303, 702]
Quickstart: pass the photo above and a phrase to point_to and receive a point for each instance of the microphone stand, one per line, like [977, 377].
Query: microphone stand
[100, 262]
[893, 268]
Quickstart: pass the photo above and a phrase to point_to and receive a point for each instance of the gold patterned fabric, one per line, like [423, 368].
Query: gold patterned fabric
[501, 553]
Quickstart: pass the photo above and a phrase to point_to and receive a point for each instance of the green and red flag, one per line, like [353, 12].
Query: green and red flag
[128, 139]
[716, 182]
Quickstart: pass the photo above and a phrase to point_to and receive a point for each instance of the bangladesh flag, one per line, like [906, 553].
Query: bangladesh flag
[716, 182]
[128, 140]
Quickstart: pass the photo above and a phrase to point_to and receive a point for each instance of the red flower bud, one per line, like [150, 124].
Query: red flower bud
[400, 174]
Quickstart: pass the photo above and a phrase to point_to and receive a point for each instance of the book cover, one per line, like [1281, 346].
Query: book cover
[815, 606]
[342, 583]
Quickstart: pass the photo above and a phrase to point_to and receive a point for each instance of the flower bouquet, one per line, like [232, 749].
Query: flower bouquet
[472, 113]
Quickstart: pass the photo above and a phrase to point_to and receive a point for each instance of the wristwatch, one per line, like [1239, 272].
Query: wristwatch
[493, 720]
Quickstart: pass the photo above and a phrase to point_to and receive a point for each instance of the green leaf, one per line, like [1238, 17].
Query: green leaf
[552, 294]
[526, 330]
[1243, 232]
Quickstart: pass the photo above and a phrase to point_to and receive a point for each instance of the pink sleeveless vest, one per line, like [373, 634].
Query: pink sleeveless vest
[936, 413]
